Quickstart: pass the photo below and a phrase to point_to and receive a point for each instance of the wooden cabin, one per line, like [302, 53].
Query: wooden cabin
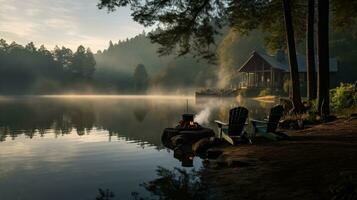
[266, 71]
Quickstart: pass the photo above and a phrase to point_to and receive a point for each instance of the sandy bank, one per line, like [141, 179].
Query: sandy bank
[306, 166]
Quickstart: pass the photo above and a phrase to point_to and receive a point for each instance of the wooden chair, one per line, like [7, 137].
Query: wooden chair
[234, 129]
[268, 127]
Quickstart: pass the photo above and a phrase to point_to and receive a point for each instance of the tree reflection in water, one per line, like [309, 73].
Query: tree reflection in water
[125, 119]
[105, 194]
[176, 184]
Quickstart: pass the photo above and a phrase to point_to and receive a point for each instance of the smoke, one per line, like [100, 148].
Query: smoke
[233, 51]
[226, 59]
[203, 116]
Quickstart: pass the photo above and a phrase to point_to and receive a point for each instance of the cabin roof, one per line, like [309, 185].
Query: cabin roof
[283, 65]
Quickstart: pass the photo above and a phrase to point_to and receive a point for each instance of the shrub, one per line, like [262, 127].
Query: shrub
[287, 86]
[265, 92]
[344, 96]
[250, 92]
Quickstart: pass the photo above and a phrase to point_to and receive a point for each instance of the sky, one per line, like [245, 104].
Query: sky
[68, 23]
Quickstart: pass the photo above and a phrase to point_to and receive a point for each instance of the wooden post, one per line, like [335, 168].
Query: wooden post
[248, 83]
[271, 78]
[255, 75]
[263, 77]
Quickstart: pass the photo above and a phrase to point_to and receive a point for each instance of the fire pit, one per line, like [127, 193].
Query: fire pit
[187, 123]
[186, 132]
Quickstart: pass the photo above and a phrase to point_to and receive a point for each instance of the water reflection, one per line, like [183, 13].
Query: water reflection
[67, 140]
[174, 184]
[122, 118]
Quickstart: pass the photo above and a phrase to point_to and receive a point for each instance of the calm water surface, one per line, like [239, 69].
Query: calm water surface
[67, 147]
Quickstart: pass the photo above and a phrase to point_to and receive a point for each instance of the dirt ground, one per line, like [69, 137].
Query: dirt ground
[309, 165]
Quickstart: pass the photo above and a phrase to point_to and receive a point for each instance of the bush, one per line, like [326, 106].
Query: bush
[265, 92]
[250, 92]
[287, 86]
[344, 96]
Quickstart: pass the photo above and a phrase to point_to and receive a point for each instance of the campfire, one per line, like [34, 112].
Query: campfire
[187, 123]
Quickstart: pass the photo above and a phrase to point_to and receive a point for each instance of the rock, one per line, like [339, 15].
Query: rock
[284, 124]
[354, 116]
[224, 161]
[330, 118]
[201, 145]
[221, 162]
[178, 140]
[240, 162]
[287, 104]
[291, 124]
[213, 153]
[282, 136]
[169, 133]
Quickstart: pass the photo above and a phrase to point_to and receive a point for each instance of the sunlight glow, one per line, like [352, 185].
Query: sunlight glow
[70, 96]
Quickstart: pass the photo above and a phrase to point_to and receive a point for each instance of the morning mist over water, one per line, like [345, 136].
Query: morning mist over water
[178, 100]
[88, 142]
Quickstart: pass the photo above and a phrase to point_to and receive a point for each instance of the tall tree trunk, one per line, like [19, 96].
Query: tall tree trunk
[310, 51]
[323, 58]
[294, 71]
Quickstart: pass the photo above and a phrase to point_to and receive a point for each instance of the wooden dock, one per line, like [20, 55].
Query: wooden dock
[217, 93]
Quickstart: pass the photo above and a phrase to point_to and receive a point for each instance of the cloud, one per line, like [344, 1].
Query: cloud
[64, 23]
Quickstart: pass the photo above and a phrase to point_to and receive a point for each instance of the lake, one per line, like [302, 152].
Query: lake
[67, 147]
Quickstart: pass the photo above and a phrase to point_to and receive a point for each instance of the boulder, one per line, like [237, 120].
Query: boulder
[178, 140]
[225, 161]
[213, 153]
[203, 144]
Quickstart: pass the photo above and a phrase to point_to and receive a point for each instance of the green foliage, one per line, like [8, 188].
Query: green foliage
[345, 15]
[22, 67]
[82, 64]
[233, 51]
[312, 117]
[28, 70]
[174, 184]
[177, 75]
[167, 73]
[344, 96]
[251, 92]
[344, 188]
[185, 26]
[141, 78]
[190, 25]
[124, 55]
[63, 56]
[259, 92]
[104, 194]
[265, 92]
[311, 111]
[287, 86]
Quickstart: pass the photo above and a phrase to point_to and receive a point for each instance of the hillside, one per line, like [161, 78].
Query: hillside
[115, 66]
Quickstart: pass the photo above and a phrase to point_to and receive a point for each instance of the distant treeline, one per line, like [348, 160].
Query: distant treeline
[116, 66]
[31, 70]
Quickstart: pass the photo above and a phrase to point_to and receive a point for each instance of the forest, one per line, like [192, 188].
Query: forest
[184, 99]
[112, 70]
[31, 70]
[192, 26]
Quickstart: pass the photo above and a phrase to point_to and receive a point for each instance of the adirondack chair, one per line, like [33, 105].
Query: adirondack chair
[233, 131]
[268, 127]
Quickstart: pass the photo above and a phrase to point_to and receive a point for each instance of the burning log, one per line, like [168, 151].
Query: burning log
[187, 131]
